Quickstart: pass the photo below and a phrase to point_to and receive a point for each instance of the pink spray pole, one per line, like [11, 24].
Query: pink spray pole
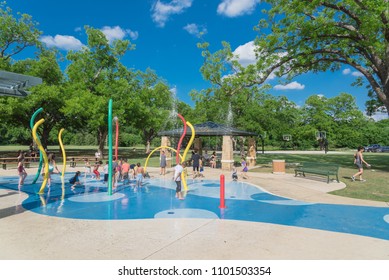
[117, 137]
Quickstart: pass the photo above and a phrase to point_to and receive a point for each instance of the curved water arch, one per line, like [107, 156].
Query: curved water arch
[159, 148]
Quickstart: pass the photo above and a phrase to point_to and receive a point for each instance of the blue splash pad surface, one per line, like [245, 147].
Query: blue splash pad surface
[156, 199]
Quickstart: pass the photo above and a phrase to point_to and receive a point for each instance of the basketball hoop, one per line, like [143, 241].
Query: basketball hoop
[287, 137]
[320, 135]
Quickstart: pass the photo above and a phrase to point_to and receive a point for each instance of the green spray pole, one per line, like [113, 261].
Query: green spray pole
[110, 147]
[32, 123]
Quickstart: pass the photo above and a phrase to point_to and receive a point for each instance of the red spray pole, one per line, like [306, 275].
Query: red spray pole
[222, 192]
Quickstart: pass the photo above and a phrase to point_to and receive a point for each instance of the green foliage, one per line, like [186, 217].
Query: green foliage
[16, 34]
[77, 100]
[324, 35]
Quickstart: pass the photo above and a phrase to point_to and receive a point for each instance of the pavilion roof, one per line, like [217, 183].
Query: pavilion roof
[208, 129]
[13, 84]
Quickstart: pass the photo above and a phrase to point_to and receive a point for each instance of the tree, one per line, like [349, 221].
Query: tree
[96, 75]
[49, 95]
[317, 35]
[338, 116]
[151, 106]
[16, 34]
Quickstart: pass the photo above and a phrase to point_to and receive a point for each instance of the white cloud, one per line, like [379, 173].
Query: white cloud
[290, 86]
[195, 29]
[379, 116]
[162, 11]
[246, 54]
[234, 8]
[118, 33]
[357, 74]
[63, 42]
[348, 71]
[78, 29]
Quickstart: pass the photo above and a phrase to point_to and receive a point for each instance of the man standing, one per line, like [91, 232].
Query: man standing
[177, 178]
[196, 164]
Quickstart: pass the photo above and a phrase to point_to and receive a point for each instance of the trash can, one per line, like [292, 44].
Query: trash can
[279, 166]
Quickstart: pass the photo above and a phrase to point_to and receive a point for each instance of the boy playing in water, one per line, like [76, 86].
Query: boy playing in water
[234, 174]
[75, 180]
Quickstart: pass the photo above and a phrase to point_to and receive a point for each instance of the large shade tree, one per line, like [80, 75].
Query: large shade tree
[16, 34]
[95, 74]
[319, 35]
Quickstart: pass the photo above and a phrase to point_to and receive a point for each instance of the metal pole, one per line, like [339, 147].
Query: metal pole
[222, 192]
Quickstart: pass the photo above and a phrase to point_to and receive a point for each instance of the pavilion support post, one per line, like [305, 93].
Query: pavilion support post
[252, 152]
[227, 153]
[198, 145]
[165, 141]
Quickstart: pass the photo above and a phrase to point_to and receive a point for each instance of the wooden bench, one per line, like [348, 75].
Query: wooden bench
[318, 168]
[74, 160]
[14, 161]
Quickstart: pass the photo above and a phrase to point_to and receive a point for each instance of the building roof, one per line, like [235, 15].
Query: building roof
[208, 129]
[13, 84]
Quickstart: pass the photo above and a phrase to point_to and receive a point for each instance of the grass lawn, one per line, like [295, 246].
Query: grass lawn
[375, 188]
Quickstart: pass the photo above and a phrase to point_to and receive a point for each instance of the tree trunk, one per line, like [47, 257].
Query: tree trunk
[101, 137]
[242, 153]
[148, 147]
[45, 136]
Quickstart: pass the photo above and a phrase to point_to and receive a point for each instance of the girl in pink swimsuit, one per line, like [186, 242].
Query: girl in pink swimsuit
[22, 172]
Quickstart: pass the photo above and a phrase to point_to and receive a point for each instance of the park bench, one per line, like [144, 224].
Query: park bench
[74, 160]
[14, 162]
[318, 168]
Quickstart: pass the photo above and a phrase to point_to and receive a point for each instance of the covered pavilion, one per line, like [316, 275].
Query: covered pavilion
[13, 84]
[213, 129]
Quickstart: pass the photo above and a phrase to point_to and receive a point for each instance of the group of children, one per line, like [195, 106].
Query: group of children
[122, 171]
[243, 173]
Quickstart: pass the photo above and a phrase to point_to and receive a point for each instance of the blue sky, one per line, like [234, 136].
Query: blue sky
[165, 33]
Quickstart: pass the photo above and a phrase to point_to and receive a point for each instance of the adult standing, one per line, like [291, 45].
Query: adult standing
[196, 164]
[177, 178]
[162, 163]
[213, 160]
[359, 161]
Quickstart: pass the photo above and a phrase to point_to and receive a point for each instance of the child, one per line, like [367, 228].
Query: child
[244, 169]
[22, 172]
[106, 172]
[75, 180]
[234, 174]
[87, 167]
[96, 170]
[140, 173]
[201, 173]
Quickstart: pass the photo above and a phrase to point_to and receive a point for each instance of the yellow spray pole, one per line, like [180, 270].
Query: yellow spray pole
[42, 150]
[63, 152]
[183, 179]
[159, 148]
